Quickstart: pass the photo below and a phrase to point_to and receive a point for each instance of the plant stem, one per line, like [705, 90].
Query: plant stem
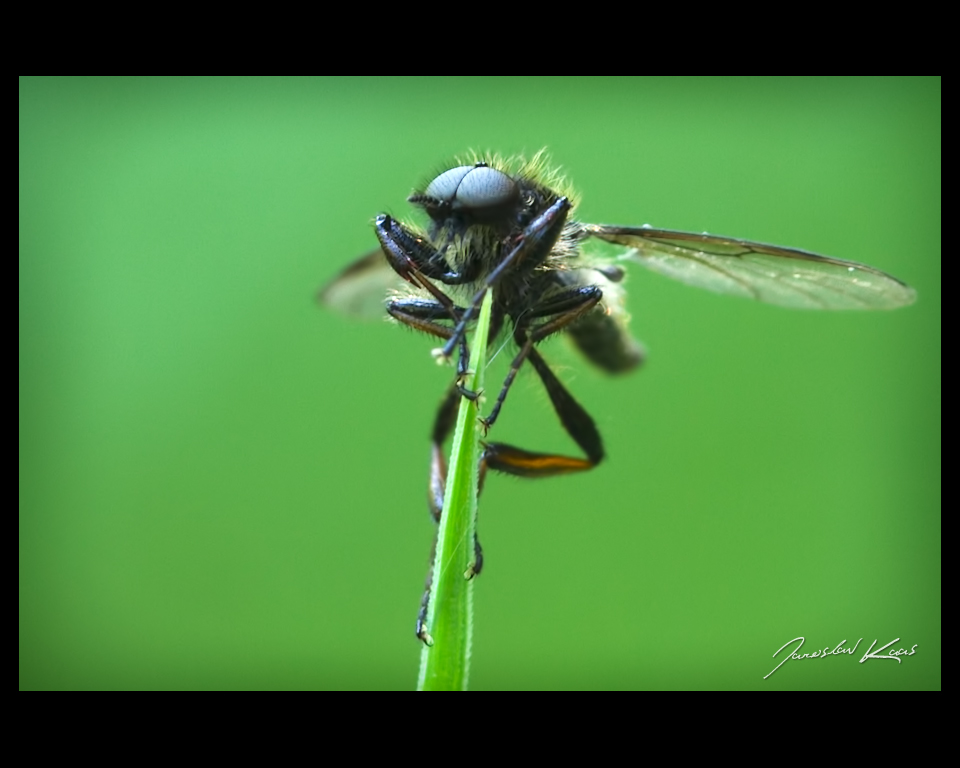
[445, 665]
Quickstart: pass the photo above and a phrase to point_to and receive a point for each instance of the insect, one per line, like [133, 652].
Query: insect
[508, 227]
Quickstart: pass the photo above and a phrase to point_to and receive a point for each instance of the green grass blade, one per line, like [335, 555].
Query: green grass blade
[445, 665]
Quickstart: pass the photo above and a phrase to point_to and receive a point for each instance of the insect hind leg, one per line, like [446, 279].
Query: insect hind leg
[575, 420]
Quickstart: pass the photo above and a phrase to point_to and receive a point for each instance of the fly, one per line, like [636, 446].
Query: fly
[509, 228]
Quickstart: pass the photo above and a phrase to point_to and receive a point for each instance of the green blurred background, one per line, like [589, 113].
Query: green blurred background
[222, 485]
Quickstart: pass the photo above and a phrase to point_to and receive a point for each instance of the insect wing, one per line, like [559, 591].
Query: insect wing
[787, 277]
[361, 289]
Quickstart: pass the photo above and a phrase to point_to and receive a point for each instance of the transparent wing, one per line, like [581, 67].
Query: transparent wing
[362, 288]
[785, 276]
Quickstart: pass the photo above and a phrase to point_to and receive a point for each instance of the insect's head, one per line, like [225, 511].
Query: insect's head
[477, 194]
[492, 192]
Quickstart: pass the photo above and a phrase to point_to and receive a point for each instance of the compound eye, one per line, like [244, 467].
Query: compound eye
[444, 187]
[484, 188]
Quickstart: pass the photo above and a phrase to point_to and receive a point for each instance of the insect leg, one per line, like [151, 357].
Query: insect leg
[415, 259]
[442, 427]
[575, 420]
[534, 245]
[421, 315]
[567, 307]
[409, 253]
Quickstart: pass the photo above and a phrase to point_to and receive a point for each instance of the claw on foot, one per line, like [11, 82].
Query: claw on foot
[471, 395]
[424, 636]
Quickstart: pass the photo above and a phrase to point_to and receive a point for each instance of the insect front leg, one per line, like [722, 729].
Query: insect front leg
[413, 258]
[412, 255]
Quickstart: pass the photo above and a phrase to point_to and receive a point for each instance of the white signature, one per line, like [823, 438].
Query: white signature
[839, 650]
